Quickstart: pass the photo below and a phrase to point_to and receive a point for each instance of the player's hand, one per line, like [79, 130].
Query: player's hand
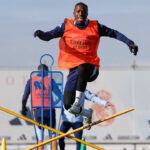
[24, 111]
[133, 49]
[38, 33]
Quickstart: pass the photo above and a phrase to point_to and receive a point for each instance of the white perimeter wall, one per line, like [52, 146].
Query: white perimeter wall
[124, 88]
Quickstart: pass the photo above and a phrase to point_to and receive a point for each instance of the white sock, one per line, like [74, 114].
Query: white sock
[85, 112]
[78, 96]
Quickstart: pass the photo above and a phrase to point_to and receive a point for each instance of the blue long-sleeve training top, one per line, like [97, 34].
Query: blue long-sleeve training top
[104, 31]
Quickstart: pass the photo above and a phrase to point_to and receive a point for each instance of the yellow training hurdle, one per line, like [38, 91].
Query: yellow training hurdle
[66, 134]
[49, 128]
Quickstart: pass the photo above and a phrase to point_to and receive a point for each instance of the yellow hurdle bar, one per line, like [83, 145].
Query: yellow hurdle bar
[49, 128]
[81, 128]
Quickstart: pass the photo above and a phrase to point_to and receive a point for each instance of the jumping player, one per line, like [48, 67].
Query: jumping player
[78, 46]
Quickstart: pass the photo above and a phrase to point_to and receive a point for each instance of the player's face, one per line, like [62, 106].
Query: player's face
[80, 13]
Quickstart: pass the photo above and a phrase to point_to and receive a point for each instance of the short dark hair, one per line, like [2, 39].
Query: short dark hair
[43, 66]
[81, 3]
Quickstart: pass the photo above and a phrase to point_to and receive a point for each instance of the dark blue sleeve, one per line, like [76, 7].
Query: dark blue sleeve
[105, 31]
[26, 93]
[56, 32]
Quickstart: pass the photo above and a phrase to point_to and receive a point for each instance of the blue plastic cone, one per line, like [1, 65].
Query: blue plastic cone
[83, 146]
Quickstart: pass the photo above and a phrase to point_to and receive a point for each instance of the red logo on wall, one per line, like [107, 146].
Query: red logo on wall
[101, 112]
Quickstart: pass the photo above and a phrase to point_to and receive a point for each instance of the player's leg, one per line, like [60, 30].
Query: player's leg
[79, 133]
[48, 120]
[38, 129]
[86, 73]
[95, 99]
[70, 87]
[65, 126]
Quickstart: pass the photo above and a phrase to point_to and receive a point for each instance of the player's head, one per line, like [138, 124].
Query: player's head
[80, 13]
[43, 66]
